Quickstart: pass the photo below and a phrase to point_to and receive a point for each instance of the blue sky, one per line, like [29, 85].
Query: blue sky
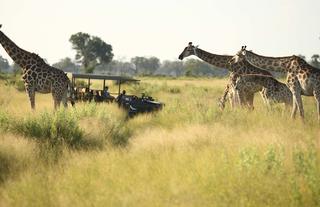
[163, 28]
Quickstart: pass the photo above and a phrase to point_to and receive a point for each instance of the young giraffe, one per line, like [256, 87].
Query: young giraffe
[302, 78]
[273, 90]
[246, 91]
[37, 75]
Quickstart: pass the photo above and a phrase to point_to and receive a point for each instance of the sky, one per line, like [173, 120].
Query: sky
[163, 28]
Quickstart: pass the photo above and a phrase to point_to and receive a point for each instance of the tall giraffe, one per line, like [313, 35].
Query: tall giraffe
[246, 92]
[302, 78]
[37, 75]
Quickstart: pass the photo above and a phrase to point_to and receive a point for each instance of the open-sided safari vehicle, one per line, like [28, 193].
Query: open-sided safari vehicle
[136, 105]
[132, 103]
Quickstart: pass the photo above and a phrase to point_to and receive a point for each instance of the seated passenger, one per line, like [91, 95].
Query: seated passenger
[119, 98]
[97, 97]
[105, 92]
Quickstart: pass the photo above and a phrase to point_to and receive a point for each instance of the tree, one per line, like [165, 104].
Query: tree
[66, 65]
[117, 67]
[91, 50]
[315, 60]
[4, 64]
[144, 65]
[16, 69]
[195, 67]
[171, 68]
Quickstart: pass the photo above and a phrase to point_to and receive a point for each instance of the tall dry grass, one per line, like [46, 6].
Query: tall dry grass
[189, 154]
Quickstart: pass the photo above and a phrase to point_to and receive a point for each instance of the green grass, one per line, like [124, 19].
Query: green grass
[189, 154]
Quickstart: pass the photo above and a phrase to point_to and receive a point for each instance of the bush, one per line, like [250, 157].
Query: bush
[15, 81]
[19, 85]
[57, 127]
[119, 134]
[4, 121]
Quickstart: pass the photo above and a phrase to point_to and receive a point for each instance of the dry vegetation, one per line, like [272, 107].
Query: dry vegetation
[189, 154]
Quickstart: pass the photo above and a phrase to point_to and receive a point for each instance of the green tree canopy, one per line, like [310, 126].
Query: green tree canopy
[315, 60]
[91, 50]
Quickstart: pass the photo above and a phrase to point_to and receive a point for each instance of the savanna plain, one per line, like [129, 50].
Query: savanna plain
[189, 154]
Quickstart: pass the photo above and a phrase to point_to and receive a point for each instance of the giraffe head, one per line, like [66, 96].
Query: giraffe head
[239, 57]
[189, 50]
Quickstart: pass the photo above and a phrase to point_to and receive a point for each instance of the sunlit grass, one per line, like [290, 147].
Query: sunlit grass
[188, 154]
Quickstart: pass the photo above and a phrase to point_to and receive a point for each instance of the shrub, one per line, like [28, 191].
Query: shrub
[60, 126]
[116, 131]
[19, 85]
[4, 121]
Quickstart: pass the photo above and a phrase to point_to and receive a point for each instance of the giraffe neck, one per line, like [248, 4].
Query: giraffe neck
[244, 67]
[279, 64]
[18, 55]
[220, 61]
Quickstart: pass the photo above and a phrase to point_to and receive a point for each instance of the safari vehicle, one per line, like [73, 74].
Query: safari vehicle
[85, 93]
[132, 103]
[136, 105]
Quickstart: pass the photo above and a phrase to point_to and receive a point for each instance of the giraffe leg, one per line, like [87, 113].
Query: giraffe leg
[263, 95]
[250, 98]
[56, 104]
[244, 98]
[297, 103]
[300, 104]
[222, 100]
[294, 107]
[65, 100]
[287, 105]
[292, 85]
[31, 94]
[231, 97]
[237, 98]
[56, 100]
[241, 98]
[317, 97]
[265, 98]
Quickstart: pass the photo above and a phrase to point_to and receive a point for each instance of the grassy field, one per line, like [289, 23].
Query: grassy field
[189, 154]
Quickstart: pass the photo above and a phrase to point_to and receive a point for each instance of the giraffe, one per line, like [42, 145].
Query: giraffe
[302, 78]
[273, 90]
[37, 75]
[246, 91]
